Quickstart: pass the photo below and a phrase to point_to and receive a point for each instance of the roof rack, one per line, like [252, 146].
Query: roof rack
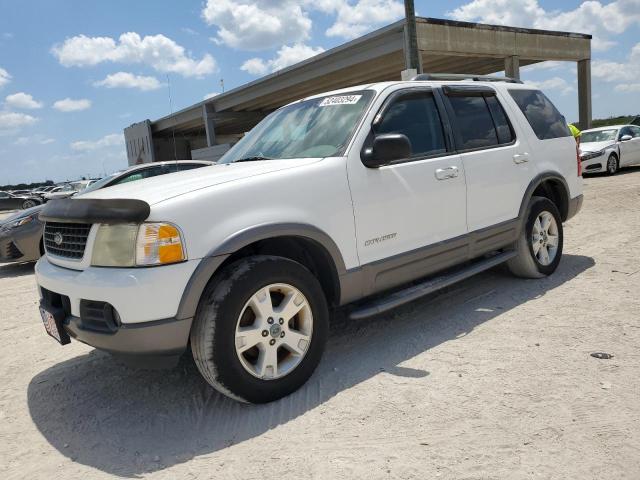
[463, 76]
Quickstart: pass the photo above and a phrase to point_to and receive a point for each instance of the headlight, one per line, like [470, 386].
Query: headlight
[590, 155]
[18, 223]
[138, 245]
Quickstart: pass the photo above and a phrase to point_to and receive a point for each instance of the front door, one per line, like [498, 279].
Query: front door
[412, 203]
[630, 149]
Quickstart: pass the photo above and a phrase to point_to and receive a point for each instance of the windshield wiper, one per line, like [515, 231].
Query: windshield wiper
[257, 158]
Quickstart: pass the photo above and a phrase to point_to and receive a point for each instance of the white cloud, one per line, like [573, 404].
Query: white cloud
[10, 121]
[23, 101]
[156, 51]
[113, 140]
[210, 95]
[4, 77]
[129, 80]
[39, 139]
[255, 66]
[548, 65]
[555, 83]
[609, 71]
[628, 88]
[257, 24]
[591, 17]
[284, 57]
[71, 105]
[356, 19]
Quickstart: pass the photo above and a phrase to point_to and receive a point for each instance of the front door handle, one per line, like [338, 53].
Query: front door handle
[446, 173]
[521, 157]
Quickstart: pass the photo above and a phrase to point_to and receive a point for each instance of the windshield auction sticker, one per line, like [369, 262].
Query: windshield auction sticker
[341, 100]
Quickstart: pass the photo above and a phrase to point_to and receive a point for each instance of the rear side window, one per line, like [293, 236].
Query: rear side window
[503, 128]
[481, 121]
[415, 115]
[545, 119]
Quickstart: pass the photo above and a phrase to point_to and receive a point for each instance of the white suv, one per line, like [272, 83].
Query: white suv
[326, 202]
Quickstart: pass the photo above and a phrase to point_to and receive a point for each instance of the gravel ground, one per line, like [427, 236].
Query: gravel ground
[490, 379]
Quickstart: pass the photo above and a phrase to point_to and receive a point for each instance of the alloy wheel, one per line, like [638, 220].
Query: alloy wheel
[544, 238]
[273, 332]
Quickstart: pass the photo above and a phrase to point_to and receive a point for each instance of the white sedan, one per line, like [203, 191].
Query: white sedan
[607, 149]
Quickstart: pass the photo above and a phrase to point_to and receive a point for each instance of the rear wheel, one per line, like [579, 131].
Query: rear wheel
[612, 165]
[539, 247]
[260, 329]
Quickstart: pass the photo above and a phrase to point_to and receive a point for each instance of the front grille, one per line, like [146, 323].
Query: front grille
[73, 236]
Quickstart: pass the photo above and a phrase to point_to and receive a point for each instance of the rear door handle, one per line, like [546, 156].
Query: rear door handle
[446, 173]
[521, 157]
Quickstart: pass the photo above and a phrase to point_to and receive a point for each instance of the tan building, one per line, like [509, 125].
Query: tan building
[207, 129]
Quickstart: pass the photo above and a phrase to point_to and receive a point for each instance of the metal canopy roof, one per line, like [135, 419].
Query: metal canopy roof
[445, 46]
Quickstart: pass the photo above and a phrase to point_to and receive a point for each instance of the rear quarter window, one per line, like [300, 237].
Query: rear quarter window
[545, 119]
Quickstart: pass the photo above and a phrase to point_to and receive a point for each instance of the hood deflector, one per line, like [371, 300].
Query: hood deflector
[108, 211]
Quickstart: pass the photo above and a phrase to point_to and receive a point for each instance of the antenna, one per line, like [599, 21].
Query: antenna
[173, 128]
[222, 84]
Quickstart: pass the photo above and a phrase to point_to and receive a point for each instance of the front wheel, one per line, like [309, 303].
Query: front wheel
[29, 204]
[539, 247]
[612, 165]
[260, 329]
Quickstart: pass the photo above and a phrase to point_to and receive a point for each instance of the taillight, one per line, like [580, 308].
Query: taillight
[578, 160]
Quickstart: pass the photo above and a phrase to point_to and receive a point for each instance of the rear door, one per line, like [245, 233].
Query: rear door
[495, 159]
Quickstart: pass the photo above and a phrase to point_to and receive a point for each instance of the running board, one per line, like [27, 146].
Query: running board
[414, 292]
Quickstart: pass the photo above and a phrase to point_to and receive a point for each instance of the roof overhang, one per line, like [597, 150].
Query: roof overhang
[445, 46]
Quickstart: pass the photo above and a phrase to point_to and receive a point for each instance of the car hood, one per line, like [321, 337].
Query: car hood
[156, 189]
[21, 214]
[595, 146]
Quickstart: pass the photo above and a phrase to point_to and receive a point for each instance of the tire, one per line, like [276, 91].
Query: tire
[613, 165]
[529, 262]
[228, 308]
[29, 204]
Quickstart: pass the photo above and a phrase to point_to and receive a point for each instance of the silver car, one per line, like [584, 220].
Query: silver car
[607, 149]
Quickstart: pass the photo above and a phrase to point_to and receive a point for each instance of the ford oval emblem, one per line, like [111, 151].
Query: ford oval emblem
[58, 238]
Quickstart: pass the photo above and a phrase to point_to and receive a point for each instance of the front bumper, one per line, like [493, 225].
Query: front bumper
[21, 244]
[595, 165]
[130, 312]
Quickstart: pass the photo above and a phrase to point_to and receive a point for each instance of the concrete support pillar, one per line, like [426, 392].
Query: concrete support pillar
[209, 124]
[584, 94]
[512, 67]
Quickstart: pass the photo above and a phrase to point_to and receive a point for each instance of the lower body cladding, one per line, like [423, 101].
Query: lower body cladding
[134, 314]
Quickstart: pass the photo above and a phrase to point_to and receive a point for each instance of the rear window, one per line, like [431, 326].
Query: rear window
[545, 119]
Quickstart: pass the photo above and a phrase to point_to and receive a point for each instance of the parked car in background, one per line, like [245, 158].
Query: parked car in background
[607, 149]
[12, 201]
[21, 234]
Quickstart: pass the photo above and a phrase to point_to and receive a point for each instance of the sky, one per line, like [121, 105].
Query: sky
[74, 74]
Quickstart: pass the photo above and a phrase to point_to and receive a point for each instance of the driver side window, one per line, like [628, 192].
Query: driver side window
[625, 131]
[415, 115]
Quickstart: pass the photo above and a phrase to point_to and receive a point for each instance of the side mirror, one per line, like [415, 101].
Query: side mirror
[625, 138]
[385, 149]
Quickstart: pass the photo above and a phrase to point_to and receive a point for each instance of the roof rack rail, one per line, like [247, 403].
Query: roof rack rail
[463, 76]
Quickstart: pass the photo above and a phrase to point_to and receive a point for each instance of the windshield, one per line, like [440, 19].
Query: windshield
[100, 183]
[598, 136]
[321, 127]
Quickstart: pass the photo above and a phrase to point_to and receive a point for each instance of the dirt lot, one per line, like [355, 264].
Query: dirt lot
[490, 379]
